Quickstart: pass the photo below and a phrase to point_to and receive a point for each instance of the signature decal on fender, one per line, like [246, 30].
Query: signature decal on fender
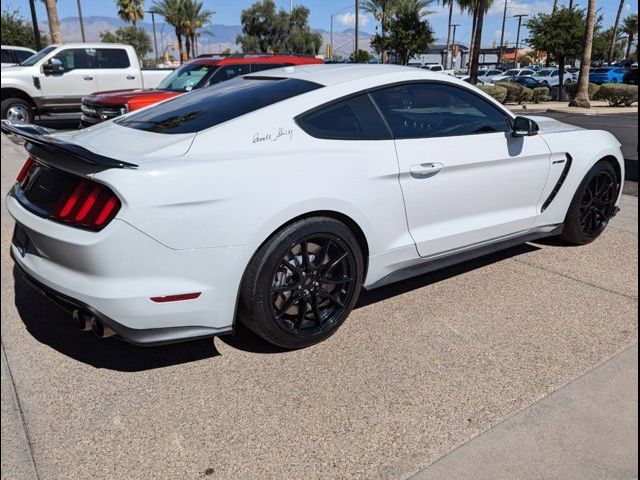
[273, 137]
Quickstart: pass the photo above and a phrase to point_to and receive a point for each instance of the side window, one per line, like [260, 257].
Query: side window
[423, 110]
[112, 58]
[21, 55]
[228, 72]
[259, 67]
[74, 58]
[6, 56]
[355, 118]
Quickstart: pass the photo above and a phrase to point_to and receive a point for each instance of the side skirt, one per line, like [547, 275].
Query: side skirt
[438, 262]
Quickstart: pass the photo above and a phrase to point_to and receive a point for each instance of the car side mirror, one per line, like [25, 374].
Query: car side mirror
[53, 67]
[524, 127]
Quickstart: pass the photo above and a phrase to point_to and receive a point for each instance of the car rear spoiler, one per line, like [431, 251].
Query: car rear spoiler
[41, 138]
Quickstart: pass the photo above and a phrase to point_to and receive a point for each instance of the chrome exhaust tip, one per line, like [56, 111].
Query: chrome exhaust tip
[82, 320]
[100, 330]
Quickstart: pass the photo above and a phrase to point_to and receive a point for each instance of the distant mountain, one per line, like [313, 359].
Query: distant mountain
[221, 37]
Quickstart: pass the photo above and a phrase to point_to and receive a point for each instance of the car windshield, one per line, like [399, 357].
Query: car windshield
[33, 59]
[211, 106]
[544, 73]
[186, 78]
[511, 73]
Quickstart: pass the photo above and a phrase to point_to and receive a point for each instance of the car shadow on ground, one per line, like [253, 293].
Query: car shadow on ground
[52, 326]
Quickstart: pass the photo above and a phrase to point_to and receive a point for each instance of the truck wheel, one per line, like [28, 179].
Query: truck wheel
[17, 110]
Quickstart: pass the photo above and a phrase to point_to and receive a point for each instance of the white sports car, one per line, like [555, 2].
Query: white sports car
[275, 198]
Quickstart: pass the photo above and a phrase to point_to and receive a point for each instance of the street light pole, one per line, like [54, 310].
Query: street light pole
[34, 21]
[333, 15]
[81, 22]
[357, 30]
[155, 38]
[519, 17]
[504, 23]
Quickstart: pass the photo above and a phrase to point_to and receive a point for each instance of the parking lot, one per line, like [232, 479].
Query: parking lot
[421, 367]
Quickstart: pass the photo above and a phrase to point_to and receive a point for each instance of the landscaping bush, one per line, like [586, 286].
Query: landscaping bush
[572, 89]
[514, 91]
[618, 94]
[498, 93]
[540, 95]
[526, 95]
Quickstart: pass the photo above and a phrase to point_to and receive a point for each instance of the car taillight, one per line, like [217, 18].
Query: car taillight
[89, 205]
[24, 171]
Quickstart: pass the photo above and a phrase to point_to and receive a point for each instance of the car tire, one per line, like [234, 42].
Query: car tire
[17, 110]
[302, 283]
[615, 80]
[592, 206]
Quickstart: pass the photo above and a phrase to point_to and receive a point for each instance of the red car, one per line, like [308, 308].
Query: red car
[198, 73]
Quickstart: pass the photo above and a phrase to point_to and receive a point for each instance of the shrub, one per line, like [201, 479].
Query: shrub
[540, 95]
[572, 89]
[618, 94]
[526, 95]
[514, 91]
[497, 92]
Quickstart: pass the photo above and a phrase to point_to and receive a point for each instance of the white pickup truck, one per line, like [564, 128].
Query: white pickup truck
[56, 78]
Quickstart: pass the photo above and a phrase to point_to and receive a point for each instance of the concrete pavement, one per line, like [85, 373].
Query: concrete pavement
[420, 368]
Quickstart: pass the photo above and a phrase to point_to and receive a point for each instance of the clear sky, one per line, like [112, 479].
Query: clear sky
[228, 13]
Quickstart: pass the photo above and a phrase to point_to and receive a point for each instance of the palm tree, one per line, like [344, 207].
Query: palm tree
[130, 10]
[479, 9]
[448, 59]
[54, 22]
[193, 19]
[381, 11]
[614, 36]
[630, 28]
[581, 98]
[172, 12]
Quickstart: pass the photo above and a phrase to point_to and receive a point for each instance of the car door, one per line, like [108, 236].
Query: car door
[77, 79]
[114, 70]
[466, 180]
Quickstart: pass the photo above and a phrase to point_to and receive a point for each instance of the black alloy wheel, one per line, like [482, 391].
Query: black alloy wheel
[593, 205]
[302, 283]
[312, 284]
[598, 204]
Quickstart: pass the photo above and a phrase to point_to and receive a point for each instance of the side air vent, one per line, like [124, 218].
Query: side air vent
[559, 183]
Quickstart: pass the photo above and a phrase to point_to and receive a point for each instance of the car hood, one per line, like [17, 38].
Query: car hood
[139, 95]
[128, 144]
[550, 125]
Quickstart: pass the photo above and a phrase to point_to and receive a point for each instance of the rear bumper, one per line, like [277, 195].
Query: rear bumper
[114, 274]
[145, 338]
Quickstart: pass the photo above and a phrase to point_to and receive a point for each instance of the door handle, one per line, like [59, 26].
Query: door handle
[131, 77]
[425, 170]
[88, 77]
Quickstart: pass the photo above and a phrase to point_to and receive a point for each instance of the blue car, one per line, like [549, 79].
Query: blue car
[607, 75]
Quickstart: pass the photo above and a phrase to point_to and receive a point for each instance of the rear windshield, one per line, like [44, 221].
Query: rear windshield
[207, 107]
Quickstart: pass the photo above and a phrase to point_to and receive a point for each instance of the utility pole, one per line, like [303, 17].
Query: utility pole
[453, 44]
[155, 38]
[357, 30]
[34, 21]
[449, 56]
[519, 17]
[504, 23]
[81, 22]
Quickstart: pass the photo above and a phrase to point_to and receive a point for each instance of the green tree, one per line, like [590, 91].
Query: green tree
[581, 98]
[266, 30]
[130, 35]
[525, 60]
[630, 29]
[479, 9]
[194, 17]
[18, 31]
[614, 34]
[172, 12]
[560, 34]
[363, 56]
[130, 11]
[602, 42]
[408, 34]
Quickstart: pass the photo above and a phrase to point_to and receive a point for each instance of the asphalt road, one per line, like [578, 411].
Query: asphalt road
[420, 368]
[625, 128]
